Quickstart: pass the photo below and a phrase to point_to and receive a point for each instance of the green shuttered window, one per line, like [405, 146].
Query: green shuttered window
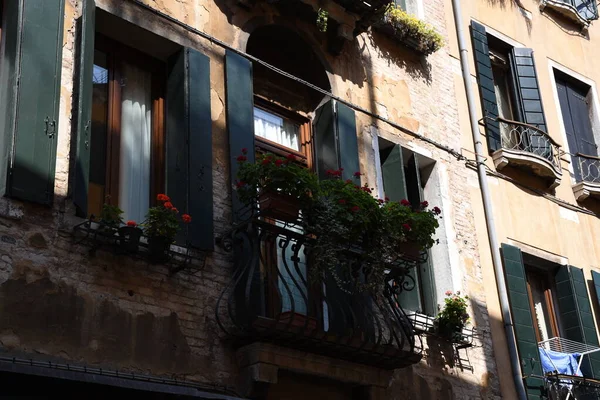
[518, 89]
[177, 126]
[31, 71]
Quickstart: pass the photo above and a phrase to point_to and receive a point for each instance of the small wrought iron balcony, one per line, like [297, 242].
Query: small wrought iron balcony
[271, 298]
[580, 11]
[529, 147]
[587, 176]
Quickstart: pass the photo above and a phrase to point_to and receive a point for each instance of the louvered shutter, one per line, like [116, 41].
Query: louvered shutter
[522, 319]
[336, 143]
[240, 117]
[31, 72]
[485, 81]
[189, 145]
[84, 108]
[576, 313]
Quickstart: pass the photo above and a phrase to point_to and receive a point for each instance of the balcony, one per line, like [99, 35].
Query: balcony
[587, 176]
[581, 12]
[527, 147]
[272, 298]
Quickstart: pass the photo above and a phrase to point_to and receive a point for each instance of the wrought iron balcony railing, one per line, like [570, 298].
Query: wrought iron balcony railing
[582, 11]
[587, 168]
[529, 139]
[271, 298]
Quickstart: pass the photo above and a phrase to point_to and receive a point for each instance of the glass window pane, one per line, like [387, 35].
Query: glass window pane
[540, 307]
[276, 129]
[99, 133]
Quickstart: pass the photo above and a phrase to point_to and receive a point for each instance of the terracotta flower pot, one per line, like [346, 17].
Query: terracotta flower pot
[129, 238]
[278, 206]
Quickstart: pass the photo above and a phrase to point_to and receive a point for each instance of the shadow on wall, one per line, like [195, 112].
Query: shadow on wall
[448, 373]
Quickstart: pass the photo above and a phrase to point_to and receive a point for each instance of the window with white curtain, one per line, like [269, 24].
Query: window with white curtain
[126, 100]
[410, 6]
[275, 128]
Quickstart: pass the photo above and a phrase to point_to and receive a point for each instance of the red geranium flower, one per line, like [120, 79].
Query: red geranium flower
[424, 204]
[242, 158]
[406, 227]
[176, 211]
[131, 223]
[244, 151]
[163, 197]
[357, 174]
[355, 208]
[278, 162]
[380, 201]
[186, 218]
[405, 202]
[266, 161]
[168, 204]
[437, 211]
[291, 157]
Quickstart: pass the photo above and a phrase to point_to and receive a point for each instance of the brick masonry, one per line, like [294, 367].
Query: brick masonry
[58, 301]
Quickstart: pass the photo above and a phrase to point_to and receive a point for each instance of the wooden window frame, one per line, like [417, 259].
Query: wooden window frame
[117, 53]
[305, 155]
[549, 290]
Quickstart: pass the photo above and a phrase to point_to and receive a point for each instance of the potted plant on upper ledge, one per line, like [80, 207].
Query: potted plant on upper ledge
[409, 30]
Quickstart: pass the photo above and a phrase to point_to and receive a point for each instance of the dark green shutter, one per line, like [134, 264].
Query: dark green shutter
[84, 107]
[240, 117]
[392, 171]
[336, 142]
[522, 319]
[528, 92]
[485, 80]
[576, 313]
[189, 145]
[34, 125]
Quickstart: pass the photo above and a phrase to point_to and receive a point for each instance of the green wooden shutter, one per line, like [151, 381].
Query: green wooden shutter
[189, 145]
[348, 141]
[84, 107]
[528, 92]
[240, 117]
[34, 126]
[336, 143]
[485, 80]
[576, 313]
[522, 319]
[8, 83]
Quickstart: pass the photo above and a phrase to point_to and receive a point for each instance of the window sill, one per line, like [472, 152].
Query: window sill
[534, 163]
[583, 190]
[567, 11]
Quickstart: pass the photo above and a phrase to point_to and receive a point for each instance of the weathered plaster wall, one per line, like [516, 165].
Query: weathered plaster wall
[58, 301]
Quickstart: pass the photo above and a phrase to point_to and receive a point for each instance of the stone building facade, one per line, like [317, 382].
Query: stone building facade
[65, 303]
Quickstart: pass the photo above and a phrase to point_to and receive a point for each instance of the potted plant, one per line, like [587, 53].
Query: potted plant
[278, 186]
[129, 237]
[161, 227]
[110, 219]
[453, 317]
[408, 229]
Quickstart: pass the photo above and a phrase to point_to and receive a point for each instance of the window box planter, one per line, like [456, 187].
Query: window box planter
[409, 31]
[158, 247]
[278, 206]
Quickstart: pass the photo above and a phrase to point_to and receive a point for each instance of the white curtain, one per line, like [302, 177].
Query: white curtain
[276, 129]
[134, 166]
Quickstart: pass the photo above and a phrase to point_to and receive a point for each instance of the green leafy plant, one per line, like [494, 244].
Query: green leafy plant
[322, 17]
[405, 223]
[111, 216]
[406, 26]
[270, 173]
[453, 317]
[162, 220]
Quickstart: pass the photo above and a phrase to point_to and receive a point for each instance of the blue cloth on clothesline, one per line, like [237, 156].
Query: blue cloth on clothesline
[562, 363]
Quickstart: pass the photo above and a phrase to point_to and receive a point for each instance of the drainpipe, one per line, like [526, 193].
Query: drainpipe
[487, 206]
